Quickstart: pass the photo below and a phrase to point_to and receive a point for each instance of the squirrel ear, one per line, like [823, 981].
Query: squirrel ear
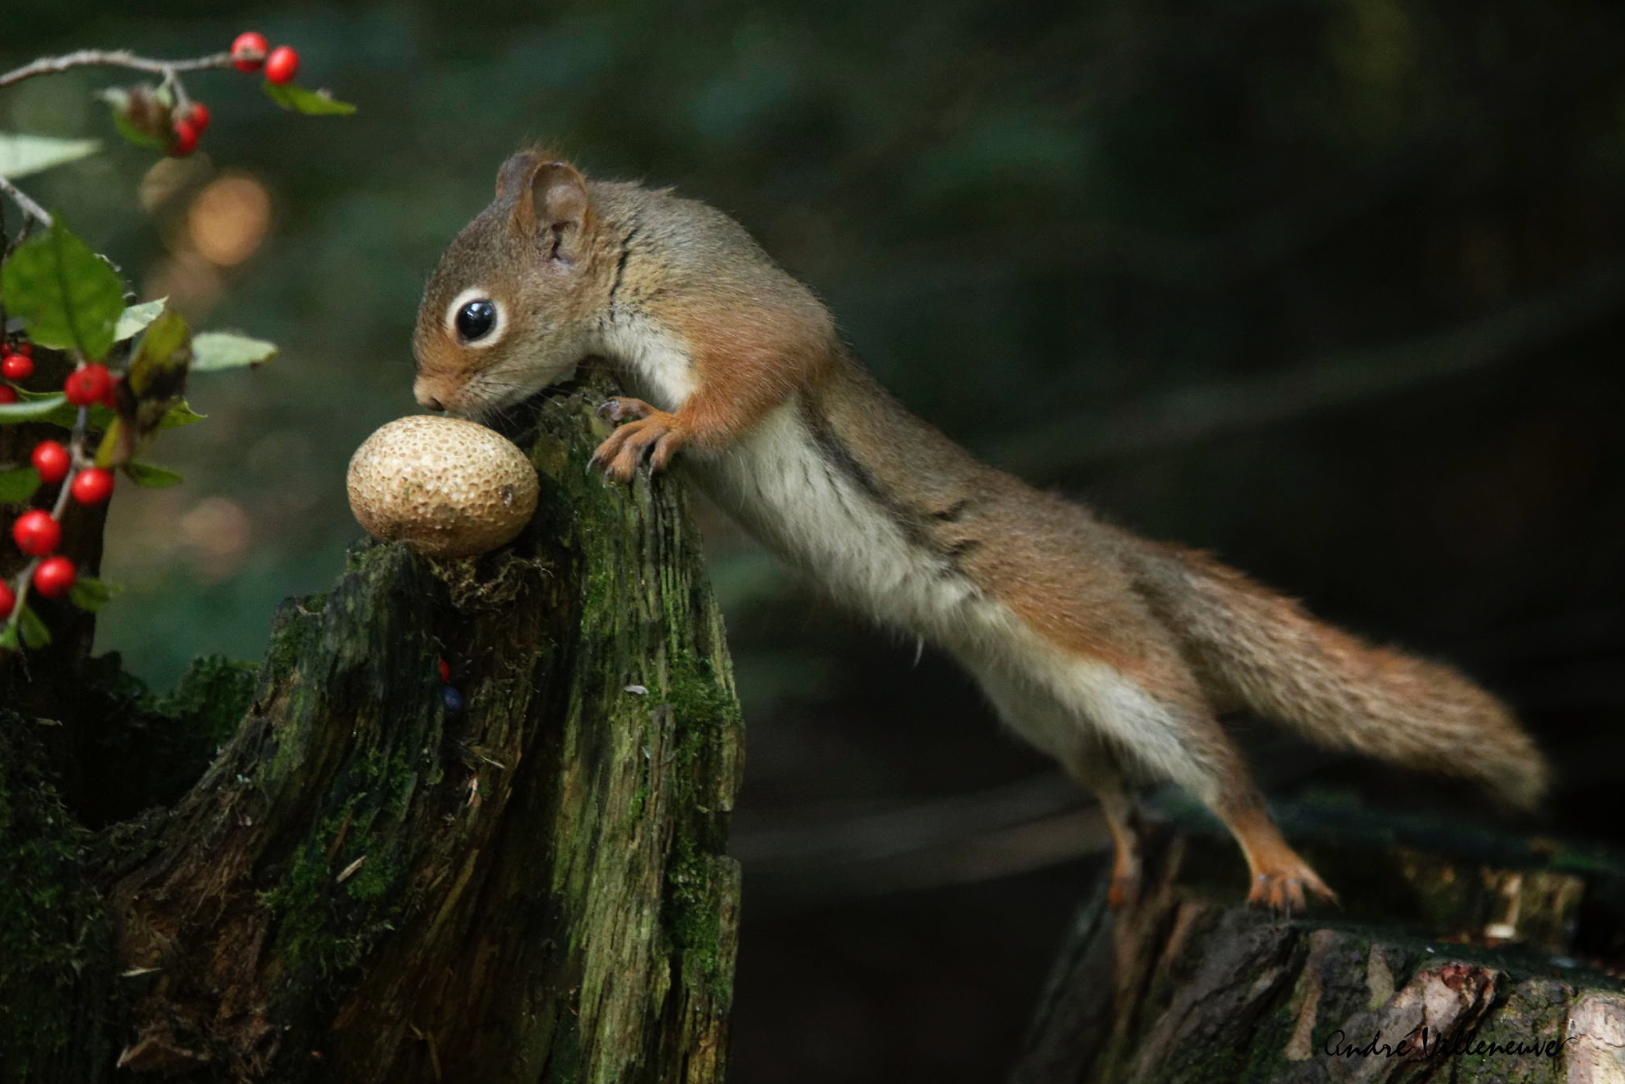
[515, 174]
[555, 210]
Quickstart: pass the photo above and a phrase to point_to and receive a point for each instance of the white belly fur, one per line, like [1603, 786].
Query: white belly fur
[802, 506]
[778, 484]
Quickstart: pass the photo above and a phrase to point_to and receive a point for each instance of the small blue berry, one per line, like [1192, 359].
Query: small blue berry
[453, 699]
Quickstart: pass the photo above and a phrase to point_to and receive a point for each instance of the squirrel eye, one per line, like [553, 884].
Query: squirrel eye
[475, 319]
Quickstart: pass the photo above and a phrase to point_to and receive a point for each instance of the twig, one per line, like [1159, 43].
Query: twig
[26, 202]
[115, 58]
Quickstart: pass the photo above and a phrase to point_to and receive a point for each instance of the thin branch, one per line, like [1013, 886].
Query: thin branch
[115, 58]
[26, 202]
[1194, 413]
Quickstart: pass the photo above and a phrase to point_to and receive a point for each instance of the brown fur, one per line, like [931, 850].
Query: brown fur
[574, 262]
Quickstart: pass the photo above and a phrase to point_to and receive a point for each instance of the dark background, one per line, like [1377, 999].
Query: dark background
[1332, 287]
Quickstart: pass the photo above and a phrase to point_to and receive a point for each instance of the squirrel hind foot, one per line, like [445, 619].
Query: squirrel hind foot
[1281, 890]
[1123, 892]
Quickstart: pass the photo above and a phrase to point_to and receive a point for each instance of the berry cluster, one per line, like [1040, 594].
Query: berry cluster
[249, 53]
[16, 363]
[37, 532]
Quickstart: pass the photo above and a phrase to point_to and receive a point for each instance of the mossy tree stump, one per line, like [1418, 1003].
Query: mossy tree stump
[363, 886]
[1455, 956]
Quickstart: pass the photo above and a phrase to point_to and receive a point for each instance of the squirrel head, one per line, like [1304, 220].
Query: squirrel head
[512, 304]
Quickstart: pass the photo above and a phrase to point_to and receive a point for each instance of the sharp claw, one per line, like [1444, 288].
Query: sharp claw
[608, 410]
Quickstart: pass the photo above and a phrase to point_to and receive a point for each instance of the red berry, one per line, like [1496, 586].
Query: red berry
[36, 533]
[25, 349]
[87, 384]
[282, 65]
[92, 485]
[54, 577]
[16, 367]
[248, 51]
[445, 672]
[199, 116]
[7, 600]
[186, 136]
[52, 461]
[110, 400]
[7, 394]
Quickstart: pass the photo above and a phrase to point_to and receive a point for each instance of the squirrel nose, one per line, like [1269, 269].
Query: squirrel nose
[425, 396]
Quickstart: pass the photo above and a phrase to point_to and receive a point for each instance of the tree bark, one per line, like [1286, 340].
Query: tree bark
[1445, 944]
[367, 886]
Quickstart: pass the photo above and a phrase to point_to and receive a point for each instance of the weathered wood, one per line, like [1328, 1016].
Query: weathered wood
[367, 887]
[1463, 941]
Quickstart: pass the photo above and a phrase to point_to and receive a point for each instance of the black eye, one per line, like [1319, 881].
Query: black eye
[475, 320]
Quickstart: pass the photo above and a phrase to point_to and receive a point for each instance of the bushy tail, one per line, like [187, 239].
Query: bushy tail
[1256, 648]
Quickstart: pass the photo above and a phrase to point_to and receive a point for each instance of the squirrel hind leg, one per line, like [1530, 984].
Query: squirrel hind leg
[1279, 877]
[1098, 769]
[1091, 716]
[1088, 761]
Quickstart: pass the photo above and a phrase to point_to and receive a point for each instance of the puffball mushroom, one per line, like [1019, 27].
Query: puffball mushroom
[451, 488]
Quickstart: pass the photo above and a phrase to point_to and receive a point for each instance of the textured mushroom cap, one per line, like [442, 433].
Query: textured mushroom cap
[450, 487]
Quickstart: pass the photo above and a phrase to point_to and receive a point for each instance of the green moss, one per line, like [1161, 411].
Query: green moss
[289, 627]
[693, 921]
[324, 927]
[359, 557]
[372, 880]
[212, 697]
[704, 707]
[52, 926]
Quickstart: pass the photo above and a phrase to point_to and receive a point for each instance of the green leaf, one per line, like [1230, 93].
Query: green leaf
[178, 415]
[109, 447]
[158, 369]
[150, 475]
[22, 155]
[132, 134]
[67, 294]
[33, 410]
[136, 317]
[312, 102]
[63, 413]
[35, 634]
[154, 382]
[223, 350]
[8, 638]
[18, 484]
[91, 594]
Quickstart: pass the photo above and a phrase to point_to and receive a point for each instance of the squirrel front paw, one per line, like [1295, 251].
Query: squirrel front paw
[646, 433]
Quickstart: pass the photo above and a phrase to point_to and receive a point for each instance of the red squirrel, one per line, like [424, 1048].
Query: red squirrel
[1110, 653]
